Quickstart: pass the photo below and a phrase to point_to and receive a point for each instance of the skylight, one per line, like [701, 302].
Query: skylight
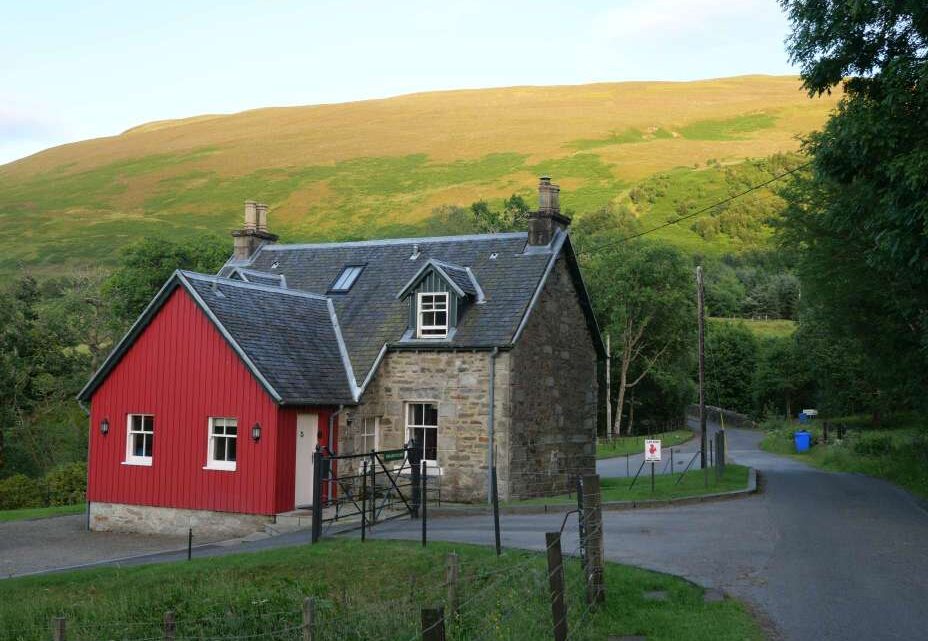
[346, 279]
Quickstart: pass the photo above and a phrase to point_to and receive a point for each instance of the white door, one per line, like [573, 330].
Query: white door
[307, 427]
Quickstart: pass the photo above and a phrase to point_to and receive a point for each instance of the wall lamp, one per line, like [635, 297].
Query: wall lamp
[256, 432]
[105, 426]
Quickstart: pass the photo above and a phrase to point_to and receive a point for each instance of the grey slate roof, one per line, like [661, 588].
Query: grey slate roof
[370, 315]
[460, 278]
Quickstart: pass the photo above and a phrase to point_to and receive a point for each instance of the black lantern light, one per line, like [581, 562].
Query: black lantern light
[105, 426]
[256, 432]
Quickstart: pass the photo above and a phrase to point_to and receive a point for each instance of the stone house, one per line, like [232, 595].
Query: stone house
[479, 346]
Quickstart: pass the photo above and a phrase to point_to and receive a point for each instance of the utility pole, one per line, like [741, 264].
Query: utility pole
[700, 304]
[608, 388]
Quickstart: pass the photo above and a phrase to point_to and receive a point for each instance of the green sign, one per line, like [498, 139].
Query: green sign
[394, 455]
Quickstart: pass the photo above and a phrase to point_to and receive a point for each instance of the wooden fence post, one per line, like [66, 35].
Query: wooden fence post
[309, 619]
[452, 571]
[556, 584]
[59, 631]
[593, 528]
[170, 627]
[433, 624]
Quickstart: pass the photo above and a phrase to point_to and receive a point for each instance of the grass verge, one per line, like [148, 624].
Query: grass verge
[665, 486]
[897, 452]
[363, 591]
[635, 444]
[41, 512]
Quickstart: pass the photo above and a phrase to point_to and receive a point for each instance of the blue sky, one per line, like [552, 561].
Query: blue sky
[75, 70]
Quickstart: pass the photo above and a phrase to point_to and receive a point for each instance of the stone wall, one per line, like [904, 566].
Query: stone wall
[457, 382]
[554, 394]
[145, 519]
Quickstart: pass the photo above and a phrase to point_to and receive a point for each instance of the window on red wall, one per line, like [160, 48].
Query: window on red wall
[140, 439]
[223, 442]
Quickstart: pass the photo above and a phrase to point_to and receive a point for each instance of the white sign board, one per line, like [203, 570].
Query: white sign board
[652, 451]
[810, 412]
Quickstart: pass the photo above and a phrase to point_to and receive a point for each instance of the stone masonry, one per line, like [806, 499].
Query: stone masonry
[146, 519]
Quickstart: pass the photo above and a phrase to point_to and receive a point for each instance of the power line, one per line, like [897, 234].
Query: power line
[725, 201]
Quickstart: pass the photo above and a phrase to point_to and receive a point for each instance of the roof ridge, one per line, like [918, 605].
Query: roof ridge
[246, 285]
[397, 241]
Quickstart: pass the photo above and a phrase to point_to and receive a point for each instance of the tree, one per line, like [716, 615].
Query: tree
[643, 295]
[513, 217]
[147, 264]
[781, 377]
[731, 357]
[858, 218]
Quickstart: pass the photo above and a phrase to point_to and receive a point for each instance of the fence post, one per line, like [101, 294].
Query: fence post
[556, 585]
[189, 543]
[581, 522]
[309, 619]
[317, 494]
[59, 631]
[373, 470]
[595, 550]
[364, 464]
[452, 570]
[433, 624]
[424, 481]
[170, 627]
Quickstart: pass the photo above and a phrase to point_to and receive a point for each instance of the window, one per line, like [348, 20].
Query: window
[139, 439]
[223, 434]
[370, 433]
[433, 315]
[346, 279]
[422, 426]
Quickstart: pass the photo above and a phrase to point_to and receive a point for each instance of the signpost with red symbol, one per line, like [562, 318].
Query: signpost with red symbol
[652, 455]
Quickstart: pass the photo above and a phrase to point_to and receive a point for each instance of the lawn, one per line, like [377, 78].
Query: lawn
[362, 591]
[635, 444]
[897, 452]
[665, 486]
[40, 512]
[776, 328]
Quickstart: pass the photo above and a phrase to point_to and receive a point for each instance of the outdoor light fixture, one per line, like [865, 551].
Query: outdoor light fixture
[105, 426]
[256, 432]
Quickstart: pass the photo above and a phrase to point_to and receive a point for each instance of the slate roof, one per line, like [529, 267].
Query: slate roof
[370, 316]
[460, 278]
[290, 340]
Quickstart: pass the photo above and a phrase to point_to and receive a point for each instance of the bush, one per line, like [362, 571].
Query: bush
[874, 446]
[67, 484]
[19, 491]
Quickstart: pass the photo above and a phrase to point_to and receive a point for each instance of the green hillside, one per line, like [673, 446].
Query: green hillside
[380, 167]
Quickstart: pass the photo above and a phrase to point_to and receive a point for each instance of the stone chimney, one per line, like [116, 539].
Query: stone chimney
[247, 239]
[542, 224]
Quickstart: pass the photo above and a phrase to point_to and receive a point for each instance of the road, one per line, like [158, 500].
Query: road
[824, 556]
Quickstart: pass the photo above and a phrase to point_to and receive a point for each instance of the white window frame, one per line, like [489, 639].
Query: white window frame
[432, 331]
[373, 435]
[411, 427]
[131, 457]
[213, 463]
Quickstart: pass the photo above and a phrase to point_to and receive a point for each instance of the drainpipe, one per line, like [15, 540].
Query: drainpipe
[86, 409]
[490, 426]
[331, 433]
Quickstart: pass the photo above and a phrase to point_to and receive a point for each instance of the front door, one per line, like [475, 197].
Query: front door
[307, 428]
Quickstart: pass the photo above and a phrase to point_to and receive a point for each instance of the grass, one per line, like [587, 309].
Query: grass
[777, 328]
[897, 452]
[635, 444]
[363, 591]
[30, 513]
[665, 486]
[378, 168]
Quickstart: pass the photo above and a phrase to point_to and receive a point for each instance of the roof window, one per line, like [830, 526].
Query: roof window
[347, 278]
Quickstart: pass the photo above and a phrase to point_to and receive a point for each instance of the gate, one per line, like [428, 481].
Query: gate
[364, 488]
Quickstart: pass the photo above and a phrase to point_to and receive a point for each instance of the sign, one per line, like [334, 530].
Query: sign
[394, 455]
[810, 413]
[652, 451]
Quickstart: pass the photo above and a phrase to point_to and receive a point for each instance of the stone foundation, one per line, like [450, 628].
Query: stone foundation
[146, 519]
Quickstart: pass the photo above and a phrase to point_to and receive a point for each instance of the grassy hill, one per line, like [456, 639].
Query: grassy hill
[379, 167]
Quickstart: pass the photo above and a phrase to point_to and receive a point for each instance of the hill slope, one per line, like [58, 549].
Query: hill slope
[379, 167]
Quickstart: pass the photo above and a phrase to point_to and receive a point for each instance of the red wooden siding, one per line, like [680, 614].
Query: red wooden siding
[182, 371]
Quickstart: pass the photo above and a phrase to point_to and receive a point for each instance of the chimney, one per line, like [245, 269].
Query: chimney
[543, 224]
[247, 239]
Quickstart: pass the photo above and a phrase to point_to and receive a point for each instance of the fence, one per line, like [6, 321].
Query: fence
[519, 595]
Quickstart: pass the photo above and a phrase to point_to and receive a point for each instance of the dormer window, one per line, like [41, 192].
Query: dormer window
[346, 279]
[432, 312]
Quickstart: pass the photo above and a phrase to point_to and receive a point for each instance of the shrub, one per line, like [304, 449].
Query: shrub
[19, 491]
[874, 446]
[67, 484]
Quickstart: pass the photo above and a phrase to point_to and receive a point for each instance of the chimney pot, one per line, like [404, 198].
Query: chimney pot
[251, 215]
[262, 216]
[545, 222]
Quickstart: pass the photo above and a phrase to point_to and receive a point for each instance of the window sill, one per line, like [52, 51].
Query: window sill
[218, 468]
[138, 463]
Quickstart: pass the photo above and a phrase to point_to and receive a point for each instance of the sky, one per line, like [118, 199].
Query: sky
[76, 70]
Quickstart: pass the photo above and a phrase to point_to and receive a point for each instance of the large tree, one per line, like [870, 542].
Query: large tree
[859, 216]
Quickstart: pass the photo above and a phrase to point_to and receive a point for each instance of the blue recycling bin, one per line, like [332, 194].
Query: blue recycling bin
[803, 440]
[804, 418]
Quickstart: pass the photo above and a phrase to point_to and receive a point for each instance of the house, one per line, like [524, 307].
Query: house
[208, 411]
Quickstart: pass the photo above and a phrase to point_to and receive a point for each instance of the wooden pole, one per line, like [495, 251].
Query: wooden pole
[595, 549]
[59, 629]
[309, 619]
[556, 584]
[433, 624]
[170, 627]
[452, 569]
[609, 426]
[701, 322]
